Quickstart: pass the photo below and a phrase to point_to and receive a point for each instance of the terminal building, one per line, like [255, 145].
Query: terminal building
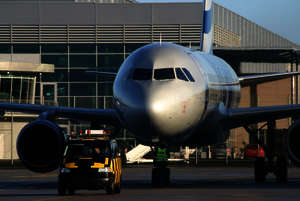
[55, 42]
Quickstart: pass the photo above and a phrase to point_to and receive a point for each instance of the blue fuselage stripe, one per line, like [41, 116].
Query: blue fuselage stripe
[207, 21]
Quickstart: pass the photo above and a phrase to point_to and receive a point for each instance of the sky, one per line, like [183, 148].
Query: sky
[279, 16]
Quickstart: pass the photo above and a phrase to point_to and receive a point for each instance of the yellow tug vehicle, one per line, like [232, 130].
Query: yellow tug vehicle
[91, 161]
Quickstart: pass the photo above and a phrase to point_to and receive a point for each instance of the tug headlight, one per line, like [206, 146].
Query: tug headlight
[106, 169]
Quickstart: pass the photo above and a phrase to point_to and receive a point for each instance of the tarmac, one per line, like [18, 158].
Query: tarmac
[187, 183]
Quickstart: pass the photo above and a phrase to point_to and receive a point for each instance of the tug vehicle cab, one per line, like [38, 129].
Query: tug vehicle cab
[91, 161]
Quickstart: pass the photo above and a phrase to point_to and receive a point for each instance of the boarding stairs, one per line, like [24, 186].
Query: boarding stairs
[137, 153]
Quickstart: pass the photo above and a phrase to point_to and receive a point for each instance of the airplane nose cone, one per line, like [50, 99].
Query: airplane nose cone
[168, 112]
[161, 110]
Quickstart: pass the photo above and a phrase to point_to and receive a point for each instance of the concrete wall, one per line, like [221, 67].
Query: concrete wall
[6, 145]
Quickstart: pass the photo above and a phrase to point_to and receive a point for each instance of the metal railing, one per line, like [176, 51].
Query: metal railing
[104, 102]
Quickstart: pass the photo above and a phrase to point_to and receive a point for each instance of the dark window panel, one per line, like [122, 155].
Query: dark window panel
[110, 60]
[5, 89]
[26, 48]
[110, 48]
[27, 90]
[85, 102]
[37, 100]
[37, 89]
[62, 89]
[80, 75]
[60, 75]
[105, 102]
[83, 89]
[131, 47]
[54, 48]
[82, 48]
[164, 74]
[62, 101]
[180, 74]
[16, 90]
[57, 60]
[82, 60]
[5, 48]
[105, 88]
[188, 74]
[28, 74]
[107, 69]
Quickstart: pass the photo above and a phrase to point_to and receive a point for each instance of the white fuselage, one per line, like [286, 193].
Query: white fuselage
[164, 92]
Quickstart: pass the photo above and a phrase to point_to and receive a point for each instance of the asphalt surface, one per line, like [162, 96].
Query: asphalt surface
[187, 183]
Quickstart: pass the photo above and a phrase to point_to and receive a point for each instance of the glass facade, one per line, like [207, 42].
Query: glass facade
[17, 89]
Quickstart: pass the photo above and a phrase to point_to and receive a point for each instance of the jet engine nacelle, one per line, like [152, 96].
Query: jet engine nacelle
[294, 142]
[40, 146]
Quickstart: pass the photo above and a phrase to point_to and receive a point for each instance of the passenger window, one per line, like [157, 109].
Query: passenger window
[180, 75]
[164, 74]
[142, 74]
[188, 74]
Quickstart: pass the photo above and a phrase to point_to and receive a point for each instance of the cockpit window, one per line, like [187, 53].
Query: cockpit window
[142, 74]
[164, 74]
[188, 74]
[180, 75]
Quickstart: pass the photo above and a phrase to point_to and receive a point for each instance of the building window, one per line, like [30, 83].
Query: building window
[62, 89]
[59, 75]
[5, 48]
[54, 48]
[85, 102]
[28, 48]
[83, 89]
[110, 60]
[105, 88]
[131, 47]
[82, 60]
[57, 60]
[111, 48]
[82, 48]
[80, 75]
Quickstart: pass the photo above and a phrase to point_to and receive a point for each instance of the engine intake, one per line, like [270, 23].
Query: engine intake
[294, 142]
[40, 146]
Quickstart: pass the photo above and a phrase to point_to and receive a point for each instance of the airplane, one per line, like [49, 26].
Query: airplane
[166, 95]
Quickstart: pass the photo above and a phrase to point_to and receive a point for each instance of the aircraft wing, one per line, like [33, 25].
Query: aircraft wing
[260, 78]
[88, 114]
[236, 117]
